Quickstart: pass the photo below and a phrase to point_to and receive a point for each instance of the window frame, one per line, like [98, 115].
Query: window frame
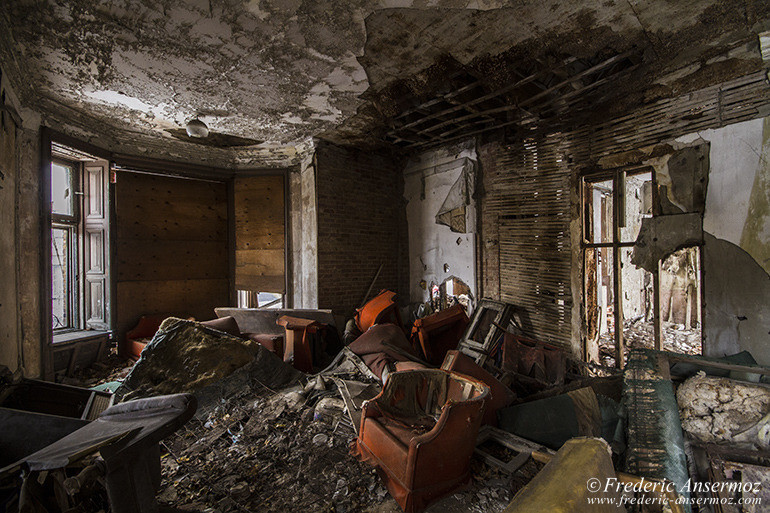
[74, 225]
[617, 176]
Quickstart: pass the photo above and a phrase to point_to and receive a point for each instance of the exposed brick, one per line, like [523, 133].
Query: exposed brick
[361, 224]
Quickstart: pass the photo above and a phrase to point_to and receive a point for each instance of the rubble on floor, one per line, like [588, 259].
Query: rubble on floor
[261, 451]
[639, 333]
[112, 368]
[267, 437]
[186, 356]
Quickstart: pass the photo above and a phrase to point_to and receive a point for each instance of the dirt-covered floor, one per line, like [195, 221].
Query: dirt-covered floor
[640, 333]
[259, 452]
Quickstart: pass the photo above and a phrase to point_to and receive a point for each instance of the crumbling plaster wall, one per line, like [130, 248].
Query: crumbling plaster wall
[435, 251]
[361, 225]
[304, 234]
[736, 250]
[20, 347]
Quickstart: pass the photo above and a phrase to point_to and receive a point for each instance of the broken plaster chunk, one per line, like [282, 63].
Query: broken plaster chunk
[663, 235]
[724, 410]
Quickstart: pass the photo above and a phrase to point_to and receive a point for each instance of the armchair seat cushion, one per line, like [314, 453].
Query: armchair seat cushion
[420, 432]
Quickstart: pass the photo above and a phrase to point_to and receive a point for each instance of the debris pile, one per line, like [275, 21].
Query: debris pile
[186, 356]
[264, 451]
[640, 334]
[464, 415]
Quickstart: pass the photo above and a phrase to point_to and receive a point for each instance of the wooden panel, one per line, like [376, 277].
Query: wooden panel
[153, 207]
[196, 298]
[171, 248]
[171, 260]
[259, 234]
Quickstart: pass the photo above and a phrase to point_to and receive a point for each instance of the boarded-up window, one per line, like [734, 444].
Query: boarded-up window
[260, 244]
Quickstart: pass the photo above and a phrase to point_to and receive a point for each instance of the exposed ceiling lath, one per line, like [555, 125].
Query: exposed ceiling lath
[540, 94]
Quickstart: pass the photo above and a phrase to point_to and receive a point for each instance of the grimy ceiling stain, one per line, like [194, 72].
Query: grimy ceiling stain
[283, 71]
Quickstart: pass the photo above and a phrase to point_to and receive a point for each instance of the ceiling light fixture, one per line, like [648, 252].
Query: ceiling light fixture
[197, 128]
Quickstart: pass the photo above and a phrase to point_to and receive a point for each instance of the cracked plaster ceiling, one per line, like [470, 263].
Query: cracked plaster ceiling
[283, 71]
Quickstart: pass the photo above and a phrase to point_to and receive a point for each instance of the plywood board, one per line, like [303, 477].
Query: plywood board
[260, 255]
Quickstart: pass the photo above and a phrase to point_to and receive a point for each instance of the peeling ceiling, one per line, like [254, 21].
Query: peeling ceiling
[281, 71]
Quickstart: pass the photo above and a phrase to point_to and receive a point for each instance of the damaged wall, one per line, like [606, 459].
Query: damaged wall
[558, 158]
[10, 351]
[172, 248]
[361, 224]
[438, 251]
[736, 250]
[526, 215]
[304, 234]
[20, 344]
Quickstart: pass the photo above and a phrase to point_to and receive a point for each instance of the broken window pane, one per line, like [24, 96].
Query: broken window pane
[638, 205]
[638, 300]
[604, 311]
[61, 190]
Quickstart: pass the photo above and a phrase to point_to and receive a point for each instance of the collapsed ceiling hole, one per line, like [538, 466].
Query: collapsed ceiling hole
[214, 139]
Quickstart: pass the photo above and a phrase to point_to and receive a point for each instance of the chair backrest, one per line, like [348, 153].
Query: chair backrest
[415, 396]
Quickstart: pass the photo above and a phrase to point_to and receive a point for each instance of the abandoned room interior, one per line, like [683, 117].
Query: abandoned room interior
[385, 255]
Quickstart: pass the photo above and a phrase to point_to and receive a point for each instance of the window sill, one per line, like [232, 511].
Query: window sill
[78, 336]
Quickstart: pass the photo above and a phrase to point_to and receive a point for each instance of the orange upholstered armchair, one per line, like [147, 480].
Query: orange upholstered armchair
[420, 432]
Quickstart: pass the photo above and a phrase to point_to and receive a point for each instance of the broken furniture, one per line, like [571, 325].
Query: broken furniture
[533, 364]
[500, 396]
[127, 438]
[141, 334]
[438, 333]
[273, 343]
[482, 338]
[380, 309]
[561, 486]
[382, 347]
[304, 344]
[54, 399]
[262, 321]
[522, 448]
[420, 433]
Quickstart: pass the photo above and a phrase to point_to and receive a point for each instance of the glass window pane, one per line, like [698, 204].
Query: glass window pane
[60, 250]
[638, 205]
[598, 211]
[270, 300]
[61, 190]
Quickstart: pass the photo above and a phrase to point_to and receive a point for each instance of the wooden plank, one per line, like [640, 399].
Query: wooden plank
[157, 259]
[260, 270]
